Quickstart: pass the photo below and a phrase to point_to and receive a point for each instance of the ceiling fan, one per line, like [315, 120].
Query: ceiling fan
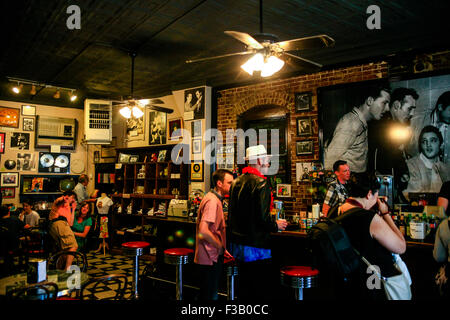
[267, 50]
[134, 106]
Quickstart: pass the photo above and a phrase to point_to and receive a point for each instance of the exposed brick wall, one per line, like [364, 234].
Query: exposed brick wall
[235, 101]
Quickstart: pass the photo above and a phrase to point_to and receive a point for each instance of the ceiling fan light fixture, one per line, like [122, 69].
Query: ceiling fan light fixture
[271, 66]
[137, 112]
[253, 64]
[125, 112]
[73, 97]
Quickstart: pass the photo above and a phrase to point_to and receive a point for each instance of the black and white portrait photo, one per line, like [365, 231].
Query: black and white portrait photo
[25, 161]
[303, 101]
[20, 140]
[304, 127]
[398, 128]
[158, 127]
[194, 101]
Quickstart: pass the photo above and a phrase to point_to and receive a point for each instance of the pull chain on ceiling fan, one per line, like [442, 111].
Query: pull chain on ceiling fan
[135, 107]
[268, 52]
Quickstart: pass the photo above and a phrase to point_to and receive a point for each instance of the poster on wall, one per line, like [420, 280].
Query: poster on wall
[136, 128]
[20, 140]
[25, 161]
[194, 104]
[400, 131]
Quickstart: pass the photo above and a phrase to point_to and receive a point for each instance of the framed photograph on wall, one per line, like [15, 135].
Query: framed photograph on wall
[196, 128]
[28, 124]
[135, 128]
[283, 190]
[8, 193]
[20, 140]
[196, 145]
[158, 127]
[304, 147]
[109, 151]
[9, 179]
[194, 103]
[28, 110]
[2, 142]
[197, 171]
[9, 117]
[303, 101]
[304, 126]
[175, 128]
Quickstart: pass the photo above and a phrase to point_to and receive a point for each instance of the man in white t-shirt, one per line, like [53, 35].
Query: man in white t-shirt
[29, 217]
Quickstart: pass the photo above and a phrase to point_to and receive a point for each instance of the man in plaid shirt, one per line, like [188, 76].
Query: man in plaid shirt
[336, 193]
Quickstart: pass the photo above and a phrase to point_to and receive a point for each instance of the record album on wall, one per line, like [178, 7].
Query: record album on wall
[54, 162]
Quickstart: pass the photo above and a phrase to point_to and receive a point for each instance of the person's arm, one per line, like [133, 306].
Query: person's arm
[384, 230]
[443, 202]
[208, 236]
[440, 250]
[344, 137]
[84, 233]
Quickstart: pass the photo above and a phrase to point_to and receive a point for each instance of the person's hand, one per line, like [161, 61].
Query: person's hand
[227, 255]
[282, 224]
[382, 204]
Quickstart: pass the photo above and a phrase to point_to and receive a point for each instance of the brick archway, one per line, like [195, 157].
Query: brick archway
[251, 101]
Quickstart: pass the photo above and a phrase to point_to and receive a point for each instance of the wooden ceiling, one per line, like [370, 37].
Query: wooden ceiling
[38, 46]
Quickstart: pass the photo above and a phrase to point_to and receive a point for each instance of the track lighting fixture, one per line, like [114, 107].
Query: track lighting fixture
[57, 95]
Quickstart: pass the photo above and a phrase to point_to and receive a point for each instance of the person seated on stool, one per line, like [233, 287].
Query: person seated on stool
[103, 204]
[61, 219]
[210, 235]
[28, 215]
[82, 225]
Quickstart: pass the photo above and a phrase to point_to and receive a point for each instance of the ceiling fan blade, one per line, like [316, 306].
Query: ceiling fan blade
[222, 56]
[313, 42]
[159, 108]
[245, 38]
[303, 59]
[155, 100]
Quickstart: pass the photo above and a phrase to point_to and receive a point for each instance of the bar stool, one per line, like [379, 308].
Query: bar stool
[299, 277]
[232, 271]
[135, 249]
[178, 257]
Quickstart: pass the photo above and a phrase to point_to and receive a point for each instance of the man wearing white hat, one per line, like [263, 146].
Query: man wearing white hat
[250, 226]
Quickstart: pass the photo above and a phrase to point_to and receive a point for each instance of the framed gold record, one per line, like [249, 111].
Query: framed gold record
[197, 171]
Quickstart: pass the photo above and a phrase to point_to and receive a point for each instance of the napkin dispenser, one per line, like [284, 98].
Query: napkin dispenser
[178, 208]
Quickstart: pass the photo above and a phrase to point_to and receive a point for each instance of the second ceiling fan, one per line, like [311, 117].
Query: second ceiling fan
[267, 50]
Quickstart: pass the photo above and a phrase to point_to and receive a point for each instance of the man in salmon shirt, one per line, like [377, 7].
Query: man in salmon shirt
[210, 244]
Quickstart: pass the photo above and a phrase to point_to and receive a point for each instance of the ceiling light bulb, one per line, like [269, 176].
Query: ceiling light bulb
[33, 90]
[57, 94]
[125, 112]
[272, 65]
[73, 97]
[137, 112]
[255, 63]
[16, 89]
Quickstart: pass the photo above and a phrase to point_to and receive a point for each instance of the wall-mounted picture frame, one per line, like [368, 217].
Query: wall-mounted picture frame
[175, 129]
[109, 151]
[9, 117]
[8, 193]
[303, 101]
[196, 128]
[28, 124]
[196, 146]
[304, 126]
[9, 179]
[194, 103]
[283, 190]
[304, 147]
[158, 127]
[197, 171]
[28, 110]
[2, 142]
[20, 140]
[135, 128]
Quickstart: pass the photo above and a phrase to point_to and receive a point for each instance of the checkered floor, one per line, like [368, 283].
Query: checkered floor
[99, 265]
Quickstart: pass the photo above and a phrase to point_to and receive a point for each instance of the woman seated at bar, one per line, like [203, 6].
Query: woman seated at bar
[81, 225]
[372, 232]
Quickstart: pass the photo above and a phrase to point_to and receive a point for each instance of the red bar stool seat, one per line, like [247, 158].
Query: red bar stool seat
[299, 277]
[178, 257]
[232, 271]
[135, 249]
